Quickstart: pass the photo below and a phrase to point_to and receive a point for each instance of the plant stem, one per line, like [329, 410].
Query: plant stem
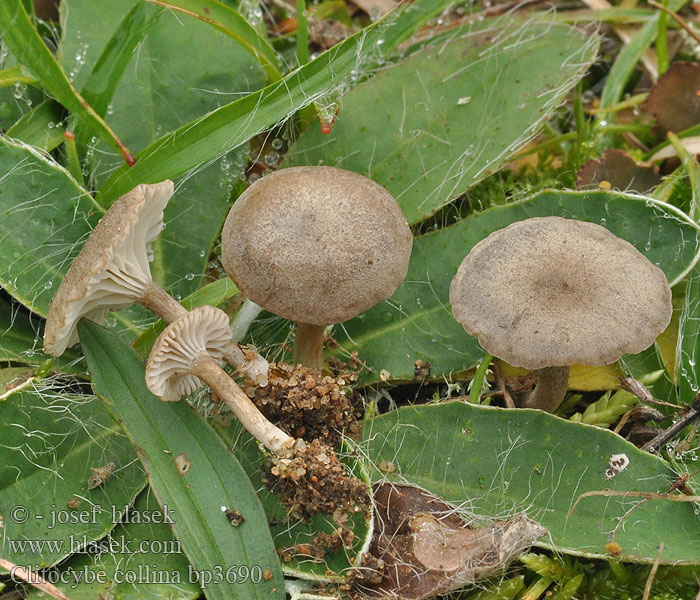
[662, 40]
[308, 350]
[302, 34]
[72, 158]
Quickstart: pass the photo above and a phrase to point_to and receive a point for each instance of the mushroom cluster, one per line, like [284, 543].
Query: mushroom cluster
[343, 248]
[547, 293]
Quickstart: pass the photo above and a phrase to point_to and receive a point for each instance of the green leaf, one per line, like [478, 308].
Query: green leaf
[218, 132]
[210, 478]
[229, 22]
[17, 32]
[417, 322]
[43, 214]
[50, 442]
[499, 462]
[15, 75]
[452, 113]
[147, 559]
[98, 89]
[41, 127]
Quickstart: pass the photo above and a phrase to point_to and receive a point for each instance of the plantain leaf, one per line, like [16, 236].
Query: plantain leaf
[452, 113]
[209, 477]
[496, 462]
[417, 322]
[51, 441]
[44, 213]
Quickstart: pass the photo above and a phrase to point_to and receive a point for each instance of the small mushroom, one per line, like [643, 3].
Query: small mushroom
[548, 292]
[188, 352]
[112, 272]
[316, 245]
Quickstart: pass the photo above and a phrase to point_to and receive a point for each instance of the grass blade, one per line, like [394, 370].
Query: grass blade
[228, 21]
[17, 32]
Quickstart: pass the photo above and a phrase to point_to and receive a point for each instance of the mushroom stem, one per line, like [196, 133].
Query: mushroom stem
[270, 436]
[160, 303]
[309, 346]
[549, 391]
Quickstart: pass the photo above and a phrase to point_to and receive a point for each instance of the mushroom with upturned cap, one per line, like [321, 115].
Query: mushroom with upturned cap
[546, 293]
[188, 352]
[112, 272]
[316, 245]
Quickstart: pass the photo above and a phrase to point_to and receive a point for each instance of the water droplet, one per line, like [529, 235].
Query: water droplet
[202, 253]
[277, 143]
[647, 246]
[388, 317]
[603, 221]
[189, 276]
[48, 285]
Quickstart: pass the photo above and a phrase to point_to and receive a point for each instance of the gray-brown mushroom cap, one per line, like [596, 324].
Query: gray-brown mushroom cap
[317, 245]
[169, 366]
[550, 291]
[112, 270]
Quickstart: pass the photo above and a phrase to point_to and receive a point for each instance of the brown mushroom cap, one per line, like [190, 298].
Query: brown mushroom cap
[550, 291]
[111, 271]
[317, 245]
[169, 367]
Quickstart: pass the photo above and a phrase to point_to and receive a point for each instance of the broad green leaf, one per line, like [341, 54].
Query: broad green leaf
[51, 441]
[41, 127]
[148, 563]
[499, 462]
[208, 479]
[163, 87]
[21, 340]
[229, 22]
[417, 322]
[17, 31]
[334, 565]
[214, 294]
[44, 214]
[452, 113]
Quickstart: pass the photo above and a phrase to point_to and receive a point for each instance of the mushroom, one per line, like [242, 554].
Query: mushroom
[188, 352]
[316, 245]
[112, 272]
[548, 292]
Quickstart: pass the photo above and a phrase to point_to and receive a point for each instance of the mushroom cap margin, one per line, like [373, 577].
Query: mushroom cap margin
[120, 240]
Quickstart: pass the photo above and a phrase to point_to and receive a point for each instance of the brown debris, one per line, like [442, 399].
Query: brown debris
[309, 405]
[422, 547]
[674, 100]
[619, 170]
[312, 480]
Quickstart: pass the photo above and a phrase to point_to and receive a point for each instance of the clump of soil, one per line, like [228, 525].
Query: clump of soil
[309, 405]
[320, 545]
[312, 480]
